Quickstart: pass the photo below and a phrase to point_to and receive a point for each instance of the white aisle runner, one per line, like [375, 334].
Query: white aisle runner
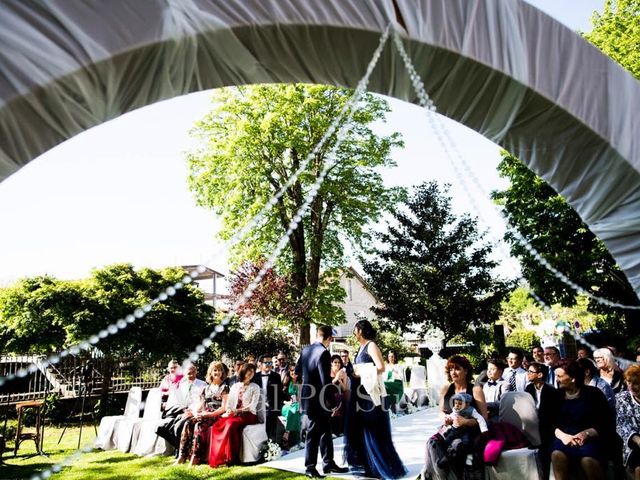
[410, 433]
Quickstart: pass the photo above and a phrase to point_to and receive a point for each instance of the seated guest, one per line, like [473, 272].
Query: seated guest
[269, 382]
[183, 404]
[546, 399]
[583, 426]
[552, 360]
[628, 420]
[348, 366]
[495, 386]
[281, 367]
[458, 440]
[514, 373]
[236, 367]
[592, 378]
[609, 370]
[393, 381]
[459, 372]
[195, 434]
[226, 434]
[291, 410]
[537, 352]
[340, 380]
[583, 352]
[170, 381]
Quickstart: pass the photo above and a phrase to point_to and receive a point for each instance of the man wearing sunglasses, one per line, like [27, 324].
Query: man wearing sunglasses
[271, 385]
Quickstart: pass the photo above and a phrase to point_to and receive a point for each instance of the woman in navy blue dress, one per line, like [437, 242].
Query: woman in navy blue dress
[583, 426]
[368, 444]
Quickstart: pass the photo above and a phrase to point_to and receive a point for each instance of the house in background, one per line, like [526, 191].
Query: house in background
[212, 284]
[358, 302]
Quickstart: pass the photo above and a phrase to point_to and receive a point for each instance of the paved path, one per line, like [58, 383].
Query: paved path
[410, 432]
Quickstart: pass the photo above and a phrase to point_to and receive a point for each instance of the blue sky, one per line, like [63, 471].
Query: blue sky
[118, 193]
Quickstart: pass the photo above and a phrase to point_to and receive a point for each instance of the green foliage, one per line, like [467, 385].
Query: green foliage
[616, 31]
[430, 269]
[268, 340]
[557, 232]
[43, 314]
[251, 144]
[519, 309]
[523, 339]
[388, 339]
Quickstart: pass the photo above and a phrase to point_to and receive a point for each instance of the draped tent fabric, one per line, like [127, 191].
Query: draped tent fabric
[501, 67]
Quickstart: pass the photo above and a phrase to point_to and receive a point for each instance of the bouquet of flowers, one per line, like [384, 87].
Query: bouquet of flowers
[270, 451]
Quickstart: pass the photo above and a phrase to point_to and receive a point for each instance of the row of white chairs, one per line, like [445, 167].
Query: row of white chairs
[131, 433]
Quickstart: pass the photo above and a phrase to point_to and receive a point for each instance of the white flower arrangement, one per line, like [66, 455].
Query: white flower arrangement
[270, 451]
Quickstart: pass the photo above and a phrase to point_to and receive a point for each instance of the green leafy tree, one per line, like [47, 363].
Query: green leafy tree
[35, 314]
[518, 310]
[430, 269]
[522, 339]
[550, 224]
[251, 144]
[43, 314]
[616, 31]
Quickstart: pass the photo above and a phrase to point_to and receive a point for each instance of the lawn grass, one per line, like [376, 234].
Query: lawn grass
[112, 464]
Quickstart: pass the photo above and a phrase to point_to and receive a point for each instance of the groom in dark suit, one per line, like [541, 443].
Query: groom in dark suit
[317, 400]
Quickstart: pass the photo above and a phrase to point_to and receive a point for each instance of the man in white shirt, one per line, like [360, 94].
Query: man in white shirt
[495, 386]
[183, 404]
[514, 374]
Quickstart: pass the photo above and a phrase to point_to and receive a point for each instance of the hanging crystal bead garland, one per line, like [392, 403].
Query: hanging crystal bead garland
[442, 133]
[446, 141]
[248, 292]
[121, 324]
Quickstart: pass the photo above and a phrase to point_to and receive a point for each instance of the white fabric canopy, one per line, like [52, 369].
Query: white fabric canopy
[500, 67]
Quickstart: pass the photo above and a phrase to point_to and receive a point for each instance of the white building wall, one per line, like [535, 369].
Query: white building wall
[357, 304]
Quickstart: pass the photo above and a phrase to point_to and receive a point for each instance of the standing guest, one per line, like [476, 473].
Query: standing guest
[368, 442]
[251, 358]
[584, 352]
[348, 366]
[495, 386]
[551, 360]
[538, 354]
[583, 426]
[609, 370]
[236, 368]
[628, 420]
[514, 373]
[318, 405]
[269, 383]
[225, 438]
[546, 399]
[592, 378]
[195, 434]
[171, 381]
[460, 375]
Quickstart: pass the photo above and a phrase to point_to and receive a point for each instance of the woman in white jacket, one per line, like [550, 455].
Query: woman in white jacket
[226, 433]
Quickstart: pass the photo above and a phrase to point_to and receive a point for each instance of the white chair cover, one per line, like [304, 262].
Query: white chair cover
[144, 440]
[108, 425]
[127, 426]
[518, 409]
[416, 393]
[254, 436]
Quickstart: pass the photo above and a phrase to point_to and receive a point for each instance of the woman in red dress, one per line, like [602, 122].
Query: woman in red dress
[226, 433]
